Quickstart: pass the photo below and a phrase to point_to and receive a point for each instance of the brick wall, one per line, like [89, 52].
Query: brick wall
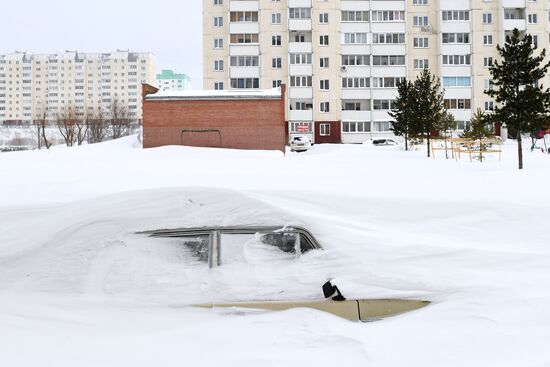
[242, 124]
[335, 136]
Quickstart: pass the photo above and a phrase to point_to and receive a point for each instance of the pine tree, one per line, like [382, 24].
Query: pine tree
[522, 102]
[428, 105]
[446, 124]
[479, 129]
[403, 112]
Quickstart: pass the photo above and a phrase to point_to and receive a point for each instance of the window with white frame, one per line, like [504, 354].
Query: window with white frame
[420, 21]
[420, 42]
[487, 61]
[218, 43]
[218, 86]
[301, 127]
[355, 60]
[388, 60]
[455, 15]
[324, 129]
[323, 40]
[275, 40]
[356, 38]
[388, 38]
[355, 126]
[276, 62]
[218, 2]
[324, 84]
[421, 64]
[487, 18]
[488, 39]
[532, 18]
[276, 18]
[325, 107]
[456, 60]
[323, 62]
[381, 126]
[388, 16]
[218, 65]
[489, 106]
[300, 58]
[218, 21]
[457, 81]
[356, 82]
[355, 16]
[300, 81]
[323, 18]
[455, 38]
[420, 2]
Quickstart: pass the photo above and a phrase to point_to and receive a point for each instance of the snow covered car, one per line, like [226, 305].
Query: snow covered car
[384, 142]
[300, 144]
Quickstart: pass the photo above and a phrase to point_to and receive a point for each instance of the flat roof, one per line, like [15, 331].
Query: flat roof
[171, 95]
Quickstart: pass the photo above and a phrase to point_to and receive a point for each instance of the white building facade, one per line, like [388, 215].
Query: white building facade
[342, 59]
[37, 87]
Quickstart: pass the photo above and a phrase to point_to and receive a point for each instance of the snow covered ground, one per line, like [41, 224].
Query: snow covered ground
[79, 287]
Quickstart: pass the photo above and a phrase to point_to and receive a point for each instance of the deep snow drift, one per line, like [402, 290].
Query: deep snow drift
[79, 287]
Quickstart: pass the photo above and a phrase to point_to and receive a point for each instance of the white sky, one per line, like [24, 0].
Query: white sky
[171, 29]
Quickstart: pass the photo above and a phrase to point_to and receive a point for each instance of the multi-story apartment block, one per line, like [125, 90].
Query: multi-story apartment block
[37, 87]
[342, 59]
[170, 80]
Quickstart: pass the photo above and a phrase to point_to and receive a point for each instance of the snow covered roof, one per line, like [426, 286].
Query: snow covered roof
[169, 95]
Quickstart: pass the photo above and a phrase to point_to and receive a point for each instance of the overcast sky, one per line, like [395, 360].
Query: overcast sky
[171, 29]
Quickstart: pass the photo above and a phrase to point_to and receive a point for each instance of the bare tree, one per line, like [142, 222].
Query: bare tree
[97, 126]
[81, 124]
[41, 132]
[121, 122]
[66, 123]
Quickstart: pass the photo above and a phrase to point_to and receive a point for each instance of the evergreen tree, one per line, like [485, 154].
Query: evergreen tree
[479, 129]
[428, 105]
[403, 112]
[446, 125]
[522, 102]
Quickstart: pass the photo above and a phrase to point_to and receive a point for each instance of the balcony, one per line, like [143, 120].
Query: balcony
[244, 49]
[244, 27]
[240, 5]
[299, 24]
[513, 3]
[299, 3]
[356, 115]
[244, 72]
[300, 69]
[300, 92]
[510, 24]
[300, 115]
[300, 47]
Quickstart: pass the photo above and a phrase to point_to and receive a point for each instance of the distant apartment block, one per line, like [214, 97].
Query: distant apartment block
[342, 59]
[34, 87]
[170, 80]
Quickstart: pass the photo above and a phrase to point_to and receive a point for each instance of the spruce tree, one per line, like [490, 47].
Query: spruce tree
[403, 112]
[521, 102]
[428, 105]
[479, 129]
[446, 124]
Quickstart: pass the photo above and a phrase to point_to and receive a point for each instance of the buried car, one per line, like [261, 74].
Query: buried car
[207, 243]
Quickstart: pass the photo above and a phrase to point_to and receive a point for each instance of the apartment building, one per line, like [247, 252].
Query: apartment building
[34, 87]
[342, 59]
[171, 80]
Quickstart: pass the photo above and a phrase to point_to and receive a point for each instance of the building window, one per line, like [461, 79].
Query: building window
[421, 64]
[388, 16]
[388, 60]
[218, 65]
[323, 18]
[456, 38]
[355, 16]
[276, 62]
[420, 2]
[487, 18]
[420, 21]
[300, 59]
[218, 2]
[487, 61]
[218, 21]
[356, 38]
[357, 82]
[381, 126]
[455, 15]
[325, 107]
[218, 43]
[488, 39]
[532, 18]
[388, 38]
[323, 62]
[299, 13]
[355, 126]
[245, 83]
[456, 59]
[457, 81]
[324, 129]
[489, 106]
[277, 83]
[275, 40]
[324, 84]
[300, 127]
[244, 61]
[323, 40]
[457, 104]
[356, 60]
[276, 18]
[218, 86]
[300, 81]
[420, 42]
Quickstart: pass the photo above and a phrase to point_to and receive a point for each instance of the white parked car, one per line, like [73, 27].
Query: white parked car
[300, 144]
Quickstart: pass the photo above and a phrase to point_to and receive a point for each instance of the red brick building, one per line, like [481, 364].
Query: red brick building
[238, 119]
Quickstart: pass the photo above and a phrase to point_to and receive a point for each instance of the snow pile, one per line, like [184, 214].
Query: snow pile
[79, 286]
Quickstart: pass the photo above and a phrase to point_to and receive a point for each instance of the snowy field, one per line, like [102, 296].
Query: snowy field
[79, 287]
